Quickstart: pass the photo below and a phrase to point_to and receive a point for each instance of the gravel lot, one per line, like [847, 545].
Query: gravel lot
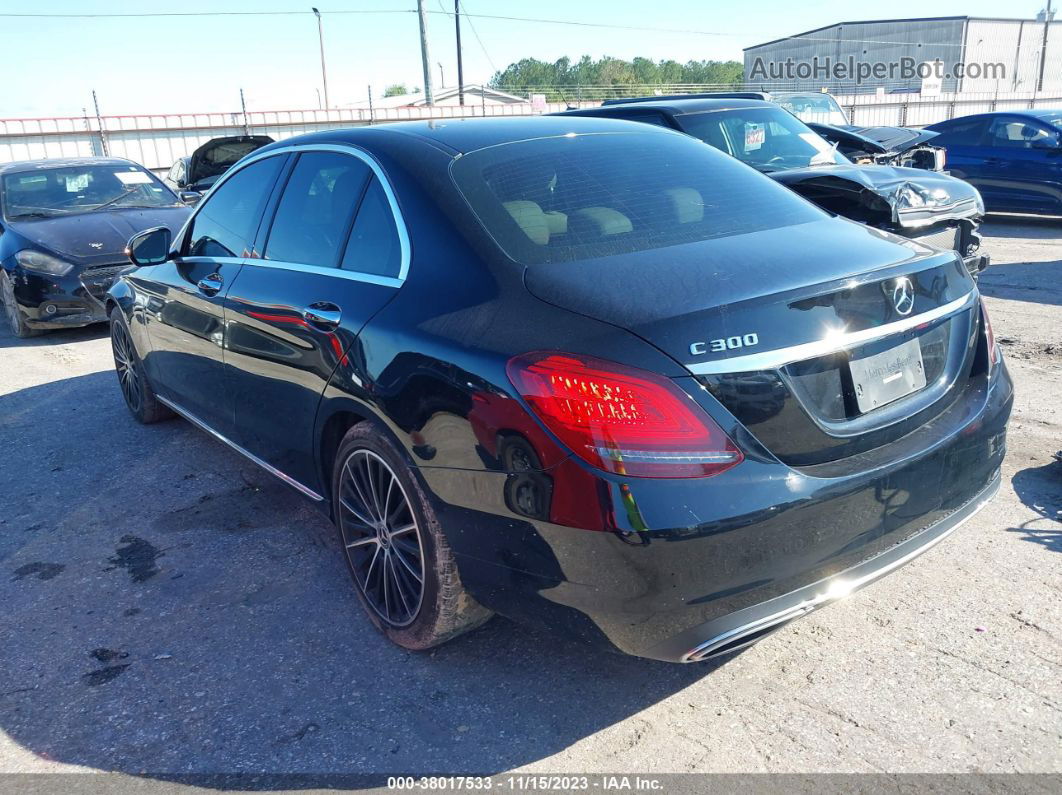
[167, 608]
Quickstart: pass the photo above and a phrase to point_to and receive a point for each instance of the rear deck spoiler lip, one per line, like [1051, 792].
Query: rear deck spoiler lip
[779, 357]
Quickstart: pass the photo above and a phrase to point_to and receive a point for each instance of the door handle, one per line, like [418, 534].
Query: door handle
[210, 285]
[323, 315]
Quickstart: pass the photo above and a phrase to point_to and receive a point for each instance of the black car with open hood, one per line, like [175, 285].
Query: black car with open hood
[63, 230]
[195, 173]
[921, 204]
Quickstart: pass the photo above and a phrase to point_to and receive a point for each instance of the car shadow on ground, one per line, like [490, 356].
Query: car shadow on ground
[9, 340]
[1022, 226]
[168, 609]
[1035, 282]
[1040, 488]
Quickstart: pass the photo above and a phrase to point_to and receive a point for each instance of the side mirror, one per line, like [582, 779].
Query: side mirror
[189, 197]
[150, 247]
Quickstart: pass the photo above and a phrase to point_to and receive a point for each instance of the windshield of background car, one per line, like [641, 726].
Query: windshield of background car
[68, 190]
[816, 108]
[768, 139]
[577, 197]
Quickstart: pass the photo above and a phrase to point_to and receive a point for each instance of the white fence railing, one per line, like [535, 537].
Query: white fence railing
[157, 140]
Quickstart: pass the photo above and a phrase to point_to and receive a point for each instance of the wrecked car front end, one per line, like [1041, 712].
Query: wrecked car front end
[885, 146]
[932, 208]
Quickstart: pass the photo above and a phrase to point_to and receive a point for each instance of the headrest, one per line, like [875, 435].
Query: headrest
[531, 219]
[605, 220]
[687, 204]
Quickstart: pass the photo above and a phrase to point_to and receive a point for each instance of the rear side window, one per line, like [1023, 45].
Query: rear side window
[314, 214]
[1018, 134]
[568, 198]
[374, 246]
[227, 223]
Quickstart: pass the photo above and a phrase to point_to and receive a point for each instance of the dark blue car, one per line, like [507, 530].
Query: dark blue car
[1013, 157]
[64, 224]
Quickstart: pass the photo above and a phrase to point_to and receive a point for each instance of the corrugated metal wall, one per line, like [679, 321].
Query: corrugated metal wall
[1014, 43]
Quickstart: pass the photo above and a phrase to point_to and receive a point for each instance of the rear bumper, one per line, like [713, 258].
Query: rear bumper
[739, 629]
[690, 561]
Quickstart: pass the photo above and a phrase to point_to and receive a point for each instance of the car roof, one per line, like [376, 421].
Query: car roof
[63, 162]
[1039, 114]
[677, 106]
[460, 136]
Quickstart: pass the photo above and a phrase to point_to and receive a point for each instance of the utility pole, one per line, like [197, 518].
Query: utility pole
[99, 124]
[460, 65]
[243, 112]
[1043, 47]
[429, 95]
[320, 40]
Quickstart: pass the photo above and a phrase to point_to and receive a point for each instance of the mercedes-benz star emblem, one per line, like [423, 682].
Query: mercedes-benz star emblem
[903, 295]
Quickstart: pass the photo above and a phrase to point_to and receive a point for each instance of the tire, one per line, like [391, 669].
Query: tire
[15, 320]
[443, 608]
[132, 380]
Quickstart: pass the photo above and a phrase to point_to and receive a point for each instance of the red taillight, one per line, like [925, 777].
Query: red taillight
[993, 352]
[620, 419]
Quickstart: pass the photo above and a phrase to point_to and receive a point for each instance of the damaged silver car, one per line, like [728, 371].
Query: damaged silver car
[926, 206]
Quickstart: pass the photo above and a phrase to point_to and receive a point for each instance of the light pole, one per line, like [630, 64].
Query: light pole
[442, 75]
[320, 39]
[422, 14]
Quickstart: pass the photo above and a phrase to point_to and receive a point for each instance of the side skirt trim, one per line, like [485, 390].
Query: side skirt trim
[306, 490]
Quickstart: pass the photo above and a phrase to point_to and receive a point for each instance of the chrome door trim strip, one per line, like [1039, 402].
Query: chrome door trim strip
[313, 495]
[770, 360]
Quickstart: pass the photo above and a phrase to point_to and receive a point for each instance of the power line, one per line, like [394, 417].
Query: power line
[505, 18]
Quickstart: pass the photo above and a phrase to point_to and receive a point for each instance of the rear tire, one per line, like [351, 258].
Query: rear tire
[383, 539]
[132, 380]
[15, 320]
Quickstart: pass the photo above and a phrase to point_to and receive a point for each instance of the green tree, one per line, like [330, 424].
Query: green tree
[590, 79]
[395, 90]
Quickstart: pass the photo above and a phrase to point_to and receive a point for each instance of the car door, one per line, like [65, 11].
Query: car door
[333, 254]
[1023, 158]
[185, 296]
[966, 155]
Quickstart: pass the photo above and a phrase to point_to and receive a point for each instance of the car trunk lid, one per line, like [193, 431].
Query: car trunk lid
[782, 332]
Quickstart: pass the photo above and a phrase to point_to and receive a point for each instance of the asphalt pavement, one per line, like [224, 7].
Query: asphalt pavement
[167, 608]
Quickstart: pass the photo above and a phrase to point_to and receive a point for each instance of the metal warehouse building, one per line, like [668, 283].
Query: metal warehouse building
[1017, 44]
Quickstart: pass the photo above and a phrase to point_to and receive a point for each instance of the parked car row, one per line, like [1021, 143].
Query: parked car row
[923, 205]
[581, 371]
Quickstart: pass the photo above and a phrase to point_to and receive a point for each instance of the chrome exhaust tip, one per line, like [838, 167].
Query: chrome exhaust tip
[745, 635]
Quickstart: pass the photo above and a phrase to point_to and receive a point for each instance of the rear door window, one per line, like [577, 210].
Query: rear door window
[374, 246]
[226, 224]
[575, 197]
[314, 214]
[1012, 133]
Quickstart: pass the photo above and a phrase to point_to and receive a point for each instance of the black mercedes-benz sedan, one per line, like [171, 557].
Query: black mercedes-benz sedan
[64, 224]
[927, 206]
[580, 372]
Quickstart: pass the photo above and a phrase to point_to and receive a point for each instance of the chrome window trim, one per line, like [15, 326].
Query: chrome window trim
[392, 200]
[306, 490]
[771, 360]
[357, 276]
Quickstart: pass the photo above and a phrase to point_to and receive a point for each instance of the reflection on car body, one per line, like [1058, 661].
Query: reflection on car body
[484, 376]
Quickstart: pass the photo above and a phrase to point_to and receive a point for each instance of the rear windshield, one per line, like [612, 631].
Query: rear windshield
[582, 196]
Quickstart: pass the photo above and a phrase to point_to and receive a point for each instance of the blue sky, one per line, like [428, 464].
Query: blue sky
[199, 63]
